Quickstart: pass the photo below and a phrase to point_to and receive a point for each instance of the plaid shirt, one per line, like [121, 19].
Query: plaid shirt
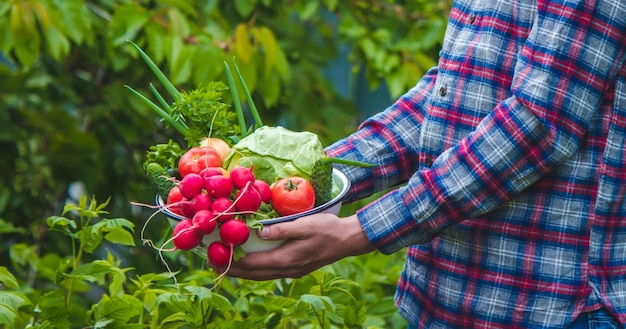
[508, 168]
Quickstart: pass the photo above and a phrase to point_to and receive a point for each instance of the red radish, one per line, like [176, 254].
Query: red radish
[191, 185]
[240, 176]
[234, 232]
[218, 186]
[186, 208]
[201, 201]
[211, 171]
[248, 199]
[219, 254]
[204, 222]
[184, 236]
[222, 208]
[264, 190]
[173, 198]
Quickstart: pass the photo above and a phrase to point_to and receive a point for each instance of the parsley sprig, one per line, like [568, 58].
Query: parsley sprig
[204, 114]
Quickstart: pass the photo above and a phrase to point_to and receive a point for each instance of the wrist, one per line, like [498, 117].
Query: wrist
[353, 236]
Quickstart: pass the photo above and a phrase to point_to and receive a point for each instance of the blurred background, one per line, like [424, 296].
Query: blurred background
[69, 127]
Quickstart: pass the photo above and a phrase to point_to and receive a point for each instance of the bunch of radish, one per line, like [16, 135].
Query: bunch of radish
[215, 199]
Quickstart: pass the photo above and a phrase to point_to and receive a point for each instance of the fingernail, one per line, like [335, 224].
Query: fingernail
[265, 233]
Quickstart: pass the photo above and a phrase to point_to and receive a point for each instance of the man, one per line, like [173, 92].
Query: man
[512, 151]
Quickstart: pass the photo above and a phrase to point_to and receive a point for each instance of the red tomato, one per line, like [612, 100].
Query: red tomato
[292, 195]
[220, 145]
[198, 158]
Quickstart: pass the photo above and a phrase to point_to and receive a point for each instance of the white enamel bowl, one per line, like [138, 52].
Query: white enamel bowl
[254, 243]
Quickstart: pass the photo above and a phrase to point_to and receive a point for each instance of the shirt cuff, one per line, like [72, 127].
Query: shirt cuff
[389, 225]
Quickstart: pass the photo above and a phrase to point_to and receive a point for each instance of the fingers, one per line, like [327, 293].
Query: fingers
[285, 231]
[310, 243]
[282, 262]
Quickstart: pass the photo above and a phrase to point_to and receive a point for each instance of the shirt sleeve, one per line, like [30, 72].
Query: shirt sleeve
[572, 53]
[389, 139]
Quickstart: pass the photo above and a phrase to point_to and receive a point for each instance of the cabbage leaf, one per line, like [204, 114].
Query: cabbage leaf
[276, 152]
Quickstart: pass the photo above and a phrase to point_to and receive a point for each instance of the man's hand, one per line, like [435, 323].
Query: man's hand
[312, 242]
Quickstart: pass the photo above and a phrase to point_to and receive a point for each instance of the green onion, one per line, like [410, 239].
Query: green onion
[159, 97]
[352, 162]
[181, 127]
[236, 102]
[159, 74]
[255, 114]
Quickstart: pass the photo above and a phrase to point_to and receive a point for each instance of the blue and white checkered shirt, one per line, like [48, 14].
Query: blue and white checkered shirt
[509, 162]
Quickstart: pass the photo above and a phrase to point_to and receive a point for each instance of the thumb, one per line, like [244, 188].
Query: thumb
[281, 231]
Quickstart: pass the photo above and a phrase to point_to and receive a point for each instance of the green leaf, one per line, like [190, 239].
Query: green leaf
[52, 311]
[178, 24]
[221, 303]
[175, 302]
[181, 68]
[207, 64]
[382, 306]
[178, 317]
[74, 21]
[119, 235]
[424, 61]
[202, 293]
[4, 8]
[205, 113]
[23, 254]
[396, 82]
[309, 10]
[91, 272]
[318, 303]
[62, 224]
[8, 279]
[102, 323]
[10, 303]
[57, 43]
[118, 309]
[6, 37]
[242, 46]
[184, 5]
[351, 28]
[90, 237]
[149, 278]
[267, 40]
[282, 65]
[354, 315]
[6, 227]
[91, 210]
[126, 22]
[330, 4]
[108, 224]
[245, 7]
[27, 52]
[156, 40]
[270, 90]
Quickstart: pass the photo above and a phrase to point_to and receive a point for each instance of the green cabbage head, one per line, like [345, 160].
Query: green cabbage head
[276, 152]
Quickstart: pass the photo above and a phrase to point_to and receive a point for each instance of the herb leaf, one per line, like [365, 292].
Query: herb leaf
[204, 113]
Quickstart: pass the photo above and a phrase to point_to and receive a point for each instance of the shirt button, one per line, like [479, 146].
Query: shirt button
[472, 18]
[443, 91]
[428, 162]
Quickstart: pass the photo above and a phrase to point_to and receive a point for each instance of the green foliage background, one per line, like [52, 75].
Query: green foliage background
[68, 123]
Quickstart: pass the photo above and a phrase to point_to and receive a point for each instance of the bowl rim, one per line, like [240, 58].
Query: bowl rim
[336, 200]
